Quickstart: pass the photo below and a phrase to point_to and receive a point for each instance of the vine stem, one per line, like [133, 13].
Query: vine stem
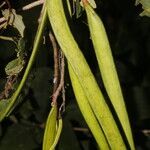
[60, 86]
[2, 19]
[33, 4]
[3, 3]
[6, 38]
[58, 65]
[56, 62]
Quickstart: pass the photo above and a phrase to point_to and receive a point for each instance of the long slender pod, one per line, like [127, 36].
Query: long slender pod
[87, 111]
[107, 68]
[59, 129]
[50, 129]
[79, 65]
[7, 107]
[69, 7]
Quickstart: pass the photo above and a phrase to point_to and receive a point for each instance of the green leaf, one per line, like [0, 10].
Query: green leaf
[21, 48]
[79, 9]
[145, 6]
[4, 105]
[14, 67]
[15, 20]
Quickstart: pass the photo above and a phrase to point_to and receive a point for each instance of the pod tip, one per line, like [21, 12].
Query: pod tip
[85, 2]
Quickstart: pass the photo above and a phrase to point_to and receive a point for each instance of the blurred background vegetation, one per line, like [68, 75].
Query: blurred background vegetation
[129, 36]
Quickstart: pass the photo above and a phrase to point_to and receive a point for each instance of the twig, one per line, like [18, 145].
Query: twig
[56, 63]
[33, 4]
[3, 3]
[2, 20]
[81, 129]
[6, 38]
[62, 106]
[57, 92]
[59, 64]
[8, 87]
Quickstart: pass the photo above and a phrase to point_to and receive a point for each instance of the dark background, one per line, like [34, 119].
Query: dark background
[129, 36]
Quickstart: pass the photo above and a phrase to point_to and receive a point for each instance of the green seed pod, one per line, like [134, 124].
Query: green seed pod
[59, 129]
[50, 129]
[80, 67]
[88, 112]
[107, 68]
